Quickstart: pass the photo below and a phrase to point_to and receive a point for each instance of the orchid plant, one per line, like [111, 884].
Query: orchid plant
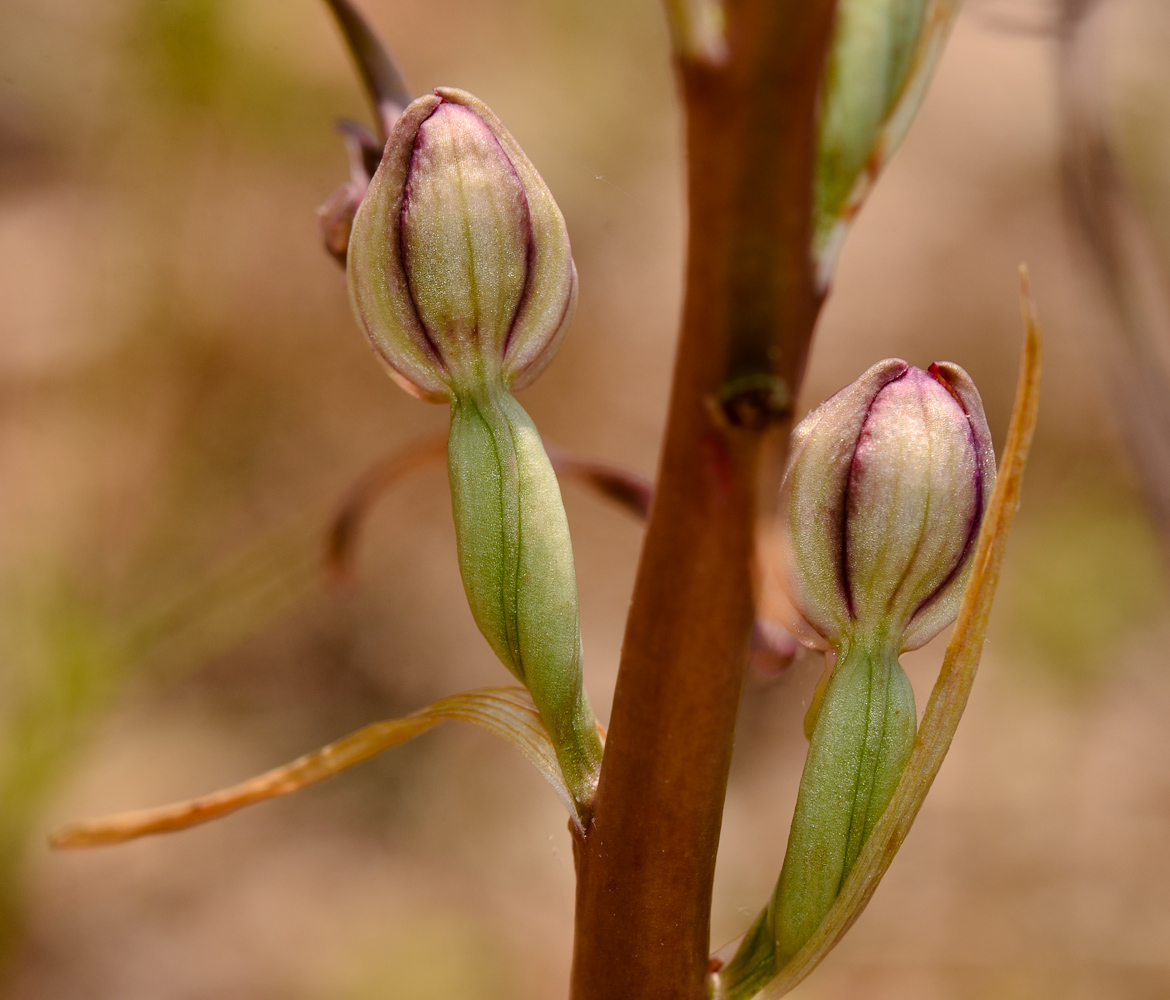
[890, 519]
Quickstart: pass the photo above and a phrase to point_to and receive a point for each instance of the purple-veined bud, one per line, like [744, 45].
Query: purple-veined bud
[881, 503]
[880, 506]
[460, 272]
[459, 264]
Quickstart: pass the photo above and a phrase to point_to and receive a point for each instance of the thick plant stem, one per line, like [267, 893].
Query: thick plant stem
[646, 864]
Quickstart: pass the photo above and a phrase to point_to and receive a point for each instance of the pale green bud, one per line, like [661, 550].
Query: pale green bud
[459, 264]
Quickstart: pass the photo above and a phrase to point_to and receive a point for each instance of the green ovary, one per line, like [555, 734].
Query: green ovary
[859, 748]
[516, 559]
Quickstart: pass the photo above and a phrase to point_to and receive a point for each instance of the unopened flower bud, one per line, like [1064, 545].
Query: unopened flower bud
[881, 503]
[882, 57]
[460, 273]
[880, 506]
[460, 269]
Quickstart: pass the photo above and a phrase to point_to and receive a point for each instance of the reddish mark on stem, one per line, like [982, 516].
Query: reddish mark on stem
[717, 463]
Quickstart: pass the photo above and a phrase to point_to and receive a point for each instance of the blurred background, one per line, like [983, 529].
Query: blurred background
[184, 401]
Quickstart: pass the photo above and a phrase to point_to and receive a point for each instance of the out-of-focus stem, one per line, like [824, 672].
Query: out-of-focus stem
[379, 73]
[646, 864]
[1119, 245]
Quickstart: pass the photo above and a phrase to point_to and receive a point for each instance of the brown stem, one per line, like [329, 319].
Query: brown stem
[647, 863]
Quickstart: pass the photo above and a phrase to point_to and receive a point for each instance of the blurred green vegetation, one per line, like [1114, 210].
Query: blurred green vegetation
[198, 64]
[1086, 572]
[174, 589]
[437, 959]
[59, 671]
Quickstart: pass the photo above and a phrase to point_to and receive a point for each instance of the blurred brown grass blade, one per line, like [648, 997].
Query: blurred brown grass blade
[341, 543]
[1121, 246]
[504, 712]
[949, 697]
[380, 75]
[631, 492]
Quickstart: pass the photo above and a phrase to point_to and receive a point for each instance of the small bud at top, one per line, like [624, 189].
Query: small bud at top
[881, 59]
[459, 267]
[881, 503]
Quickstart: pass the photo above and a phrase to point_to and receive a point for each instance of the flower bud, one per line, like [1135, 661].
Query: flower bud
[881, 503]
[459, 264]
[460, 273]
[882, 58]
[880, 506]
